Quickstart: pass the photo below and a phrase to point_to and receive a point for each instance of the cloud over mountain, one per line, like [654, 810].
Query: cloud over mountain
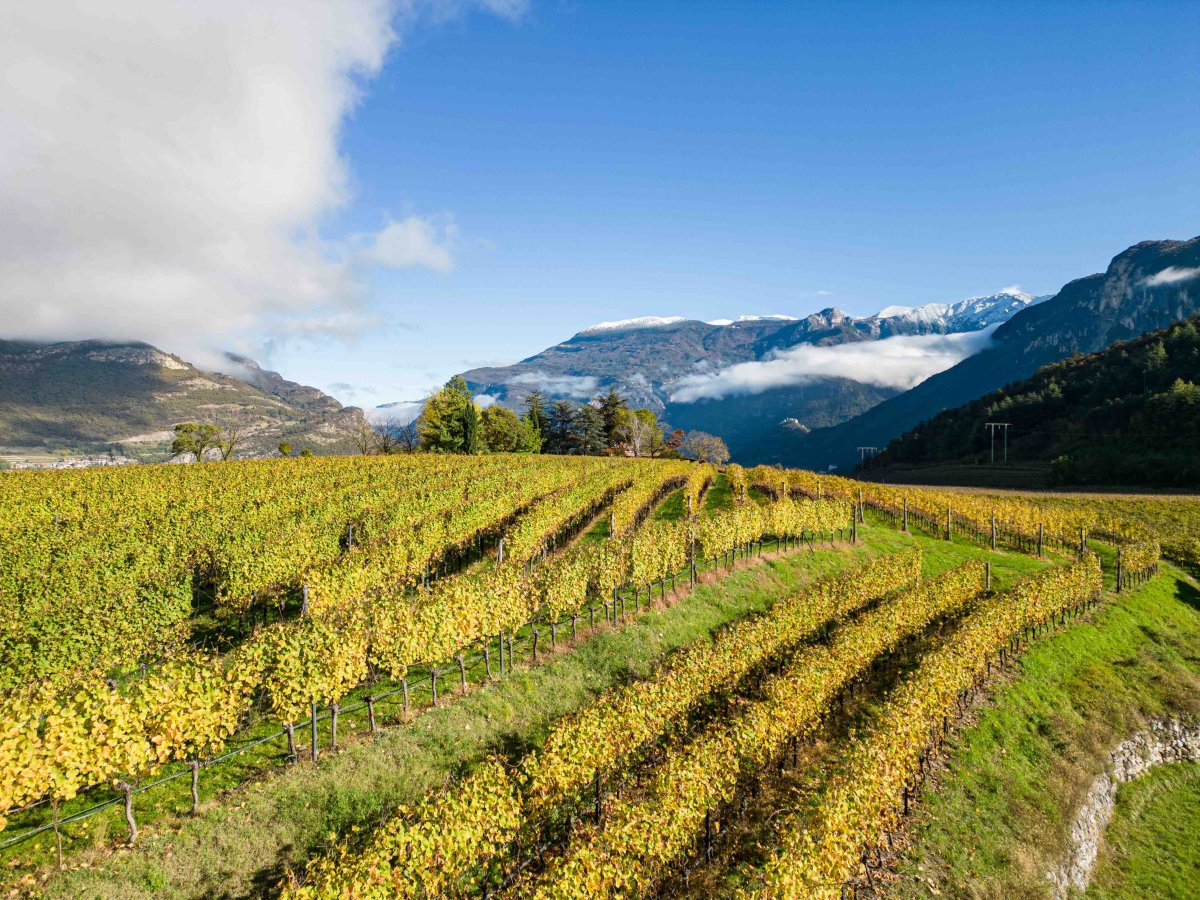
[167, 167]
[1170, 275]
[897, 362]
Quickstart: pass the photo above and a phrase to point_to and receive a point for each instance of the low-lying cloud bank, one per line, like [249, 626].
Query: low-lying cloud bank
[582, 387]
[897, 362]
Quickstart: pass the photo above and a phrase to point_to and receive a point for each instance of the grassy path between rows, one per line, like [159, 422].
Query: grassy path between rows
[241, 844]
[999, 817]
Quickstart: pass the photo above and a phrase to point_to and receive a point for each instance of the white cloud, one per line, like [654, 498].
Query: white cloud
[898, 362]
[166, 167]
[483, 401]
[581, 387]
[1170, 275]
[413, 242]
[402, 412]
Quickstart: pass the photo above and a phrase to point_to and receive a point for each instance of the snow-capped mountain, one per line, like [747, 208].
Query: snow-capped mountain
[971, 314]
[640, 322]
[647, 357]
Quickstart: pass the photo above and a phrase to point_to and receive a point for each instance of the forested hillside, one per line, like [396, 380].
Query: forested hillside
[1148, 286]
[1126, 415]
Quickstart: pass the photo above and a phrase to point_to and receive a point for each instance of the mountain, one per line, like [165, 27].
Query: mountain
[93, 396]
[1126, 415]
[654, 361]
[1146, 287]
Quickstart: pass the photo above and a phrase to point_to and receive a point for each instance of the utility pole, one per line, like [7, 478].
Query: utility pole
[865, 453]
[992, 426]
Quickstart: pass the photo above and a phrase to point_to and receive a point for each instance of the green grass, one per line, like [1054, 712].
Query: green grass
[720, 495]
[240, 843]
[671, 509]
[1000, 816]
[1151, 848]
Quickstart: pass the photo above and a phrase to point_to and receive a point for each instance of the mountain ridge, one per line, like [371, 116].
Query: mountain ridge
[94, 396]
[645, 356]
[1128, 414]
[1086, 315]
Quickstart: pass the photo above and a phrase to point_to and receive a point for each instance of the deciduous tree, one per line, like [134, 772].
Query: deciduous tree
[196, 438]
[502, 431]
[704, 447]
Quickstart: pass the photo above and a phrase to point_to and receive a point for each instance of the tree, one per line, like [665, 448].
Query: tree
[536, 416]
[531, 437]
[407, 436]
[615, 412]
[1153, 362]
[472, 442]
[306, 452]
[285, 449]
[365, 437]
[502, 431]
[587, 432]
[395, 436]
[560, 427]
[645, 433]
[672, 443]
[195, 438]
[704, 447]
[232, 436]
[441, 424]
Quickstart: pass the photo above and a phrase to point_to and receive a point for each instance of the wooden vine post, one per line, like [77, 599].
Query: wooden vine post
[315, 749]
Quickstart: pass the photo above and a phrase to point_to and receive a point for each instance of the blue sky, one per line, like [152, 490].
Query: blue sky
[585, 161]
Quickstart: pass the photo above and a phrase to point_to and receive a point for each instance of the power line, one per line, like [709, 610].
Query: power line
[992, 426]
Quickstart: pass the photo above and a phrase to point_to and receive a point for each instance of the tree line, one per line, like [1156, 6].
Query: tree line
[453, 422]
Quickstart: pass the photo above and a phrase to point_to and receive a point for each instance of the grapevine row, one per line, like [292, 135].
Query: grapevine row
[601, 738]
[194, 702]
[816, 859]
[642, 832]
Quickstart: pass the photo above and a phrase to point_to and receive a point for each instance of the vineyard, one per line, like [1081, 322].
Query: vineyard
[513, 675]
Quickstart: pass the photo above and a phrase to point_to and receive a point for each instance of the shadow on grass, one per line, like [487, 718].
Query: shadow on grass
[1187, 594]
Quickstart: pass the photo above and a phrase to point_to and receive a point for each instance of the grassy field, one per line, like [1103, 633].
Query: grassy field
[1151, 848]
[998, 817]
[241, 843]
